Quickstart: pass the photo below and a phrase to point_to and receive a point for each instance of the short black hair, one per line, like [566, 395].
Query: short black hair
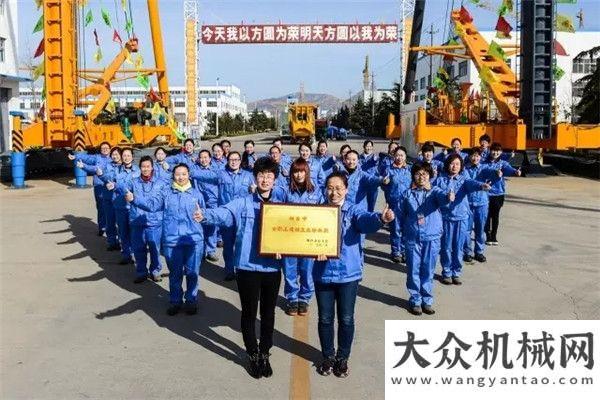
[247, 142]
[104, 143]
[475, 150]
[124, 149]
[346, 146]
[304, 144]
[265, 164]
[216, 145]
[427, 147]
[117, 149]
[495, 146]
[159, 148]
[180, 165]
[322, 142]
[189, 140]
[274, 147]
[366, 142]
[204, 151]
[451, 158]
[339, 175]
[277, 140]
[351, 152]
[400, 148]
[422, 166]
[455, 139]
[146, 158]
[234, 153]
[225, 141]
[392, 143]
[485, 137]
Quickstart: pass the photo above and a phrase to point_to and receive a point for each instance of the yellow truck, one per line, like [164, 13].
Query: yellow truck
[301, 121]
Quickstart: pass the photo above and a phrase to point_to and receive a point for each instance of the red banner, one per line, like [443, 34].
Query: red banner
[304, 33]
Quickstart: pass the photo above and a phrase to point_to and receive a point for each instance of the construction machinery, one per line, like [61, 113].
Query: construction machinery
[521, 122]
[79, 112]
[301, 121]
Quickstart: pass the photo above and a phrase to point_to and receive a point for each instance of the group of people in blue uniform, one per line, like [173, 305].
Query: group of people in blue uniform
[186, 205]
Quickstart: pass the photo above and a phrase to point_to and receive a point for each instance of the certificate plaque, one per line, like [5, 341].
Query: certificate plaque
[300, 230]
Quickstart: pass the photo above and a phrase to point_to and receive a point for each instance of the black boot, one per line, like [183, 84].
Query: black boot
[254, 365]
[265, 365]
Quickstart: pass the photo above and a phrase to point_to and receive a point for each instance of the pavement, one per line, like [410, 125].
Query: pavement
[74, 326]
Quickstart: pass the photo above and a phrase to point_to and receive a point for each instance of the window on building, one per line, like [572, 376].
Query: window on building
[462, 68]
[2, 7]
[22, 105]
[450, 70]
[585, 65]
[2, 51]
[179, 103]
[422, 83]
[428, 80]
[211, 104]
[35, 105]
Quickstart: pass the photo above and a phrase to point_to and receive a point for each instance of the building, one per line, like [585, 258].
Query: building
[213, 99]
[568, 93]
[368, 86]
[9, 69]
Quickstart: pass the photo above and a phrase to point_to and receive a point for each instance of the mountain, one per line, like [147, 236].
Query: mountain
[326, 102]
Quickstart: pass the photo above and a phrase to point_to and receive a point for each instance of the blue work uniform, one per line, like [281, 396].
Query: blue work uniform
[438, 169]
[422, 226]
[442, 157]
[120, 176]
[206, 180]
[182, 157]
[91, 163]
[316, 172]
[400, 181]
[337, 279]
[478, 203]
[161, 173]
[299, 285]
[283, 178]
[219, 163]
[146, 227]
[327, 164]
[182, 238]
[360, 184]
[496, 199]
[455, 217]
[369, 164]
[107, 204]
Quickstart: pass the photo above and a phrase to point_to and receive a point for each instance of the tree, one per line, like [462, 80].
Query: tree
[588, 108]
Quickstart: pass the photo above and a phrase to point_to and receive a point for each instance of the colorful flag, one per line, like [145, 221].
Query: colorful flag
[96, 38]
[438, 83]
[153, 96]
[496, 51]
[39, 25]
[143, 81]
[503, 28]
[38, 71]
[558, 72]
[508, 4]
[89, 18]
[38, 3]
[459, 30]
[559, 50]
[486, 75]
[128, 24]
[465, 17]
[110, 106]
[564, 23]
[40, 49]
[157, 110]
[117, 38]
[123, 4]
[98, 55]
[105, 17]
[443, 72]
[139, 61]
[128, 59]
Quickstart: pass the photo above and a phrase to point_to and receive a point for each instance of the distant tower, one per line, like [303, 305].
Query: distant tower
[366, 76]
[301, 100]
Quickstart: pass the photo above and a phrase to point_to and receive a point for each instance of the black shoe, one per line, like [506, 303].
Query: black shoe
[467, 258]
[292, 309]
[173, 310]
[212, 257]
[220, 243]
[125, 261]
[402, 259]
[340, 368]
[140, 279]
[230, 277]
[456, 280]
[191, 309]
[428, 310]
[447, 280]
[480, 257]
[302, 308]
[101, 232]
[156, 278]
[265, 365]
[416, 310]
[254, 365]
[113, 247]
[397, 259]
[326, 366]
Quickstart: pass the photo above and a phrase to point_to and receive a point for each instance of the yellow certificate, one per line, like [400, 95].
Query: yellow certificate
[299, 230]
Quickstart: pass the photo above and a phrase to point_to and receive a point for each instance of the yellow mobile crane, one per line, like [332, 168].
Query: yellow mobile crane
[65, 124]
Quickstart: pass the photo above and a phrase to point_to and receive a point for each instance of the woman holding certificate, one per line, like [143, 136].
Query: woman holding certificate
[299, 286]
[336, 280]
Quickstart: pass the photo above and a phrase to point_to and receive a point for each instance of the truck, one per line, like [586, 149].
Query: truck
[301, 122]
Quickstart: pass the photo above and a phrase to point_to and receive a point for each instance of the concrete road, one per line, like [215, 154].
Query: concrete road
[74, 326]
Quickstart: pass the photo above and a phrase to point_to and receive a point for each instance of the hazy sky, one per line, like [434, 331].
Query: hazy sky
[263, 71]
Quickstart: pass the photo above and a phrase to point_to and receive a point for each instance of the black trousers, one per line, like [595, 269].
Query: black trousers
[493, 219]
[255, 287]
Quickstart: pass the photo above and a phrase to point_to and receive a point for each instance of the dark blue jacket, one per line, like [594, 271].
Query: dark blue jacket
[499, 185]
[462, 186]
[139, 188]
[427, 203]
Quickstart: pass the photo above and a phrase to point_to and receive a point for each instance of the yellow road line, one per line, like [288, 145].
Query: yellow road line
[299, 370]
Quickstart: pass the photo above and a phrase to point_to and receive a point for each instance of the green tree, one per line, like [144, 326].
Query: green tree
[588, 108]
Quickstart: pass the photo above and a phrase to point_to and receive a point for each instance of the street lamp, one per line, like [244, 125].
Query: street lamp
[217, 113]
